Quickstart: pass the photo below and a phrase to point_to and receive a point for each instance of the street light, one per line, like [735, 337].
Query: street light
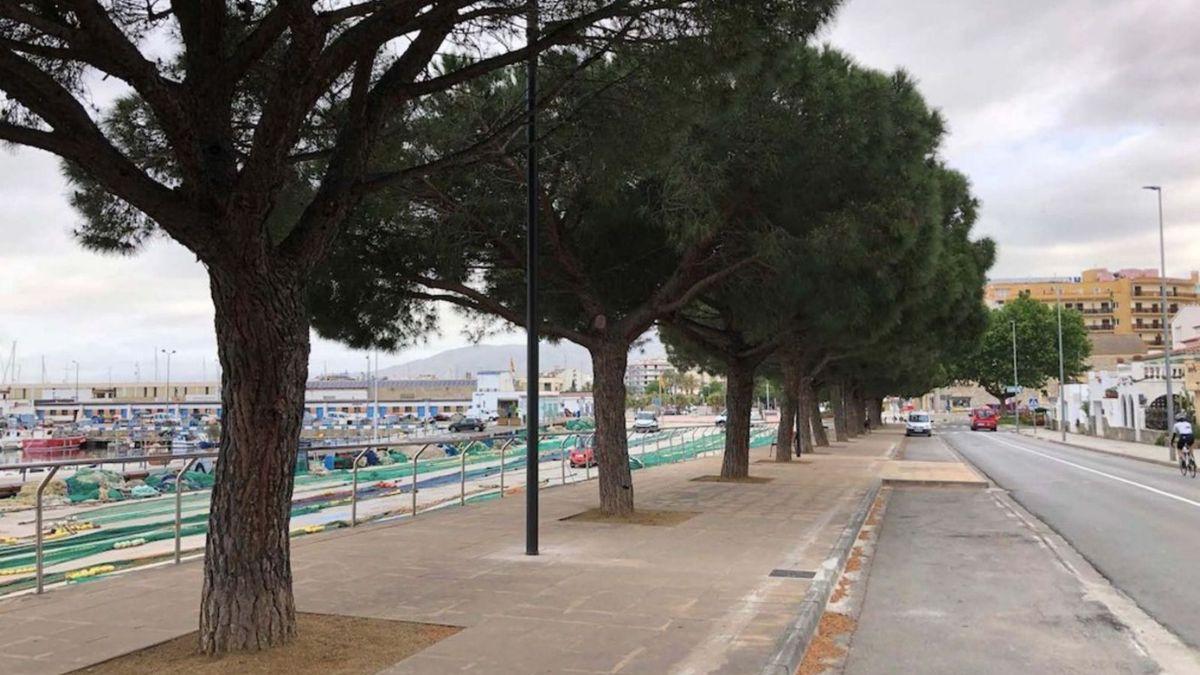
[1062, 396]
[168, 353]
[1166, 328]
[1016, 385]
[78, 398]
[531, 292]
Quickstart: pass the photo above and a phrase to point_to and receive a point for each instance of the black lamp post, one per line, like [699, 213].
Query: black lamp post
[531, 308]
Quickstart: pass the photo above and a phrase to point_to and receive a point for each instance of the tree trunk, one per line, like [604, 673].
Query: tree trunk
[837, 398]
[820, 438]
[262, 330]
[875, 410]
[612, 444]
[788, 405]
[857, 414]
[804, 403]
[739, 400]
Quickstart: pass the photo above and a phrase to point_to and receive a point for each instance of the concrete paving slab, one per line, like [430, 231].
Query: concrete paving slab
[931, 474]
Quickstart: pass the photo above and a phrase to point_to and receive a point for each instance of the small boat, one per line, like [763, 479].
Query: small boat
[52, 448]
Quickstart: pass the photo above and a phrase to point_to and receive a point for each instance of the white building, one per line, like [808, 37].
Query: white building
[496, 392]
[1116, 403]
[1185, 326]
[639, 374]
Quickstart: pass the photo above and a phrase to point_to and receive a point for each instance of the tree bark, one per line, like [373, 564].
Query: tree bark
[856, 412]
[788, 405]
[739, 400]
[820, 438]
[804, 405]
[837, 397]
[875, 411]
[262, 329]
[612, 444]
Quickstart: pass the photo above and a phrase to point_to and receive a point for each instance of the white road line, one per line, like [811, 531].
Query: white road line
[1136, 484]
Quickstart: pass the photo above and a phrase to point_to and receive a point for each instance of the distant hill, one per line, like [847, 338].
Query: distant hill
[454, 363]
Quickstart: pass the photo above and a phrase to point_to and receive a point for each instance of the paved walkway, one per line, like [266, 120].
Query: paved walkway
[602, 598]
[962, 583]
[1156, 453]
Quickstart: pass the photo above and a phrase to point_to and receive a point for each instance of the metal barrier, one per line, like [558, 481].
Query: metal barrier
[187, 464]
[190, 459]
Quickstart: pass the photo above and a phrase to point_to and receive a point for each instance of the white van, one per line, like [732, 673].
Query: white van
[338, 418]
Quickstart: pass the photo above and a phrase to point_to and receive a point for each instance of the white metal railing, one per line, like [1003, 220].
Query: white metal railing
[667, 435]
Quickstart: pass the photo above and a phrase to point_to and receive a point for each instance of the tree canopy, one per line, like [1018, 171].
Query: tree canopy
[990, 363]
[248, 130]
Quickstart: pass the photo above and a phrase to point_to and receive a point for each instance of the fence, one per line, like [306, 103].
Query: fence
[476, 458]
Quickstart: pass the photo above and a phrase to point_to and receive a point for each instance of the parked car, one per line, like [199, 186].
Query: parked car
[645, 421]
[467, 424]
[984, 418]
[756, 417]
[918, 424]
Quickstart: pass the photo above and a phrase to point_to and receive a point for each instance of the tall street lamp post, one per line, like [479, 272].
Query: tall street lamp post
[1166, 326]
[78, 398]
[1016, 385]
[1062, 395]
[531, 308]
[168, 353]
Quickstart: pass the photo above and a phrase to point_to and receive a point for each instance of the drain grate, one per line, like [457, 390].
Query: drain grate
[793, 574]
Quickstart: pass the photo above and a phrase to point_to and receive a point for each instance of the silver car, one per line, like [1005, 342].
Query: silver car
[918, 424]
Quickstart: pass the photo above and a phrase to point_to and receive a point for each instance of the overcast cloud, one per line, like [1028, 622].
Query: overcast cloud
[1059, 112]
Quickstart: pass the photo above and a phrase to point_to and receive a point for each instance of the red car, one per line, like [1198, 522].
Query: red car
[983, 418]
[580, 457]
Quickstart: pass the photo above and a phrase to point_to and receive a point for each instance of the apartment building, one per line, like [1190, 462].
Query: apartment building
[1121, 302]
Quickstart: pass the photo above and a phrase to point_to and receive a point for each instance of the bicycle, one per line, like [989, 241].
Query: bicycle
[1187, 462]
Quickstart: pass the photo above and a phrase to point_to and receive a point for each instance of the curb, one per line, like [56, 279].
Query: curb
[901, 482]
[789, 650]
[1106, 452]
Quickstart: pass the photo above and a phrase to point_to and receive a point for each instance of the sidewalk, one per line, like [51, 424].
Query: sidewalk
[1144, 451]
[695, 597]
[963, 581]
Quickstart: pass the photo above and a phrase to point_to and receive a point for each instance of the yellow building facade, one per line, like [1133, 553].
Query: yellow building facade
[1121, 302]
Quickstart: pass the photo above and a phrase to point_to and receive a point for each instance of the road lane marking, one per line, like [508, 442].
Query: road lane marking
[1119, 479]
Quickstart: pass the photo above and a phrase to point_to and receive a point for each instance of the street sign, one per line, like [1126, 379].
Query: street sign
[1013, 390]
[1033, 402]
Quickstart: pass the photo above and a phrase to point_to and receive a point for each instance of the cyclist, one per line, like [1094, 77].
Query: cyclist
[1182, 436]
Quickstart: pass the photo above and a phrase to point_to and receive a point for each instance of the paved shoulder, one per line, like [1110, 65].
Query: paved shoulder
[962, 583]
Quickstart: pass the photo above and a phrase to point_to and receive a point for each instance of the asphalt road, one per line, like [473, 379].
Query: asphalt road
[1137, 523]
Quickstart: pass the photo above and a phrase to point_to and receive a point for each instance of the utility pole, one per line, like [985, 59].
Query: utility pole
[531, 287]
[1016, 385]
[1062, 398]
[156, 365]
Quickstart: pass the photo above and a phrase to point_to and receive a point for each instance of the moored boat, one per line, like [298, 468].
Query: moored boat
[52, 448]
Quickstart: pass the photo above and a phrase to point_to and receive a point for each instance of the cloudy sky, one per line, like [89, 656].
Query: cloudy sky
[1058, 111]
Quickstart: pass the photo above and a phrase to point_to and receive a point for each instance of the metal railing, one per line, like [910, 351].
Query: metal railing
[466, 446]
